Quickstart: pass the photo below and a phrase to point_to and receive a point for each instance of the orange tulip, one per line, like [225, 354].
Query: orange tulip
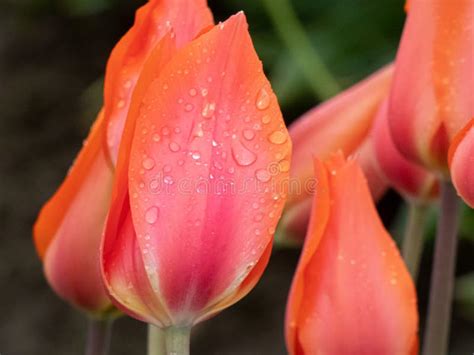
[431, 97]
[411, 180]
[342, 123]
[200, 182]
[69, 228]
[351, 293]
[461, 161]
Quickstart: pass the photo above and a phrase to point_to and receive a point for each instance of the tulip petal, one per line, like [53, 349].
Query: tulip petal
[69, 227]
[431, 97]
[341, 123]
[153, 21]
[207, 167]
[351, 294]
[462, 163]
[410, 179]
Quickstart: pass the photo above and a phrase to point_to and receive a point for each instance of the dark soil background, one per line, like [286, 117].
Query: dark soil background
[52, 58]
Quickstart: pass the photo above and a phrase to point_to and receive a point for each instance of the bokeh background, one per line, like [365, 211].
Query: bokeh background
[52, 58]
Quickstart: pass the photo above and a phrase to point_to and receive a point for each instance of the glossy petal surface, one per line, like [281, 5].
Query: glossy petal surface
[431, 97]
[207, 167]
[351, 293]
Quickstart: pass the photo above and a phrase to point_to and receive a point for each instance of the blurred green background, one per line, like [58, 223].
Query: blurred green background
[52, 59]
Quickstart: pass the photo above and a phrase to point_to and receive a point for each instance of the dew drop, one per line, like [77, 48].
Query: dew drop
[174, 147]
[242, 155]
[277, 137]
[196, 155]
[248, 134]
[208, 109]
[193, 92]
[266, 119]
[263, 99]
[148, 163]
[188, 107]
[284, 166]
[127, 84]
[258, 217]
[121, 104]
[204, 92]
[154, 184]
[151, 215]
[168, 180]
[263, 175]
[165, 131]
[167, 168]
[156, 137]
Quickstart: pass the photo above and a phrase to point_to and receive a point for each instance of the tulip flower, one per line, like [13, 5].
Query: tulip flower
[69, 228]
[351, 293]
[431, 96]
[200, 182]
[461, 161]
[342, 123]
[410, 179]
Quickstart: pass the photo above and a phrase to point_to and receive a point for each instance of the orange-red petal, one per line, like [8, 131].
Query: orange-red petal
[351, 293]
[152, 22]
[208, 163]
[410, 179]
[69, 227]
[431, 96]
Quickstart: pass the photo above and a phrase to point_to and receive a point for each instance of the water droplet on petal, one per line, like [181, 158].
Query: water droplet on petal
[165, 131]
[284, 166]
[168, 180]
[258, 217]
[193, 92]
[156, 137]
[277, 137]
[241, 154]
[174, 147]
[167, 168]
[151, 215]
[121, 104]
[266, 119]
[263, 175]
[263, 99]
[248, 134]
[148, 163]
[188, 107]
[196, 155]
[208, 109]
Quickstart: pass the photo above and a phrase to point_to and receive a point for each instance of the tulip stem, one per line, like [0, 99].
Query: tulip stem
[442, 278]
[177, 340]
[98, 336]
[292, 33]
[413, 239]
[156, 341]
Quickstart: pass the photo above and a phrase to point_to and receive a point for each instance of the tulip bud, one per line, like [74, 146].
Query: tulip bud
[342, 123]
[201, 182]
[461, 162]
[351, 293]
[431, 96]
[409, 179]
[69, 228]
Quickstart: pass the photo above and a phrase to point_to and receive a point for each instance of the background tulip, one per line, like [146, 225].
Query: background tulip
[462, 163]
[409, 179]
[351, 293]
[202, 183]
[342, 123]
[69, 228]
[431, 97]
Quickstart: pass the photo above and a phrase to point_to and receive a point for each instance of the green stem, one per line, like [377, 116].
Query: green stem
[414, 236]
[304, 54]
[156, 341]
[442, 277]
[98, 336]
[177, 340]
